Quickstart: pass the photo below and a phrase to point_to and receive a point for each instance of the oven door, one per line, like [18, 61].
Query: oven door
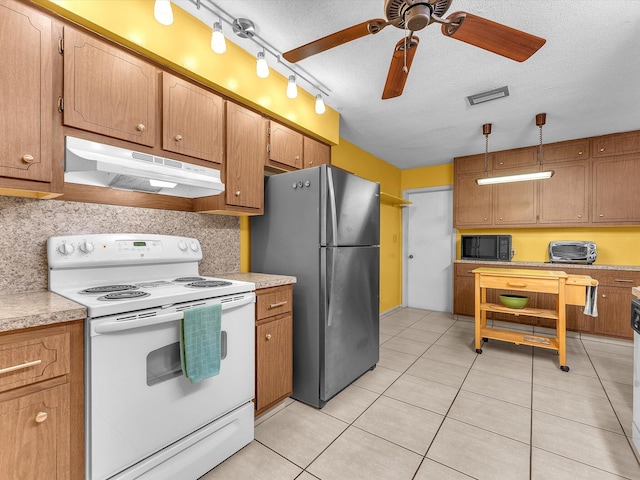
[138, 400]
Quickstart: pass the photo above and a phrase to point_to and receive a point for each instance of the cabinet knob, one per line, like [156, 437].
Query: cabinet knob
[580, 152]
[311, 162]
[500, 218]
[604, 295]
[178, 138]
[579, 216]
[237, 193]
[500, 163]
[141, 127]
[484, 219]
[601, 215]
[41, 417]
[268, 336]
[26, 158]
[602, 149]
[297, 157]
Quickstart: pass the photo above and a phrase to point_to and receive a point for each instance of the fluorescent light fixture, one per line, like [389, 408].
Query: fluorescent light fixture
[262, 67]
[522, 177]
[320, 108]
[218, 43]
[489, 95]
[162, 183]
[292, 88]
[163, 12]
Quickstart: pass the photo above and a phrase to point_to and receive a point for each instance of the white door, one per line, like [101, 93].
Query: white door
[429, 243]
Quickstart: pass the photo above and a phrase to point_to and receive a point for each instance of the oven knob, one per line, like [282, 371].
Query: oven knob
[182, 245]
[86, 247]
[194, 246]
[66, 249]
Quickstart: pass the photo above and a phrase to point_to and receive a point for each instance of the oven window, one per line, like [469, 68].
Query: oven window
[163, 364]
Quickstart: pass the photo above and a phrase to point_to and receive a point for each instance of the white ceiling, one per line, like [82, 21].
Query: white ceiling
[586, 78]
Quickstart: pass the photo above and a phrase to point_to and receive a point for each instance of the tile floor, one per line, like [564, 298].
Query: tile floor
[434, 409]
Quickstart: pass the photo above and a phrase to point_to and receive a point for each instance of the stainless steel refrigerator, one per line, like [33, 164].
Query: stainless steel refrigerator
[322, 225]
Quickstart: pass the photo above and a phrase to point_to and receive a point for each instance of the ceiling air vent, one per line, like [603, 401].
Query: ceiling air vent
[489, 95]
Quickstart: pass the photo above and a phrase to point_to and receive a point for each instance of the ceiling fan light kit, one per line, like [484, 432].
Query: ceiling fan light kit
[541, 174]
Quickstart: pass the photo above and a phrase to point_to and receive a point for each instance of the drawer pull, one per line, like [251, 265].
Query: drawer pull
[268, 336]
[517, 285]
[279, 304]
[623, 280]
[41, 417]
[20, 367]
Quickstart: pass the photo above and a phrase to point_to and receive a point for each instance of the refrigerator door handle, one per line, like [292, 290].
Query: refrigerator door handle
[332, 207]
[329, 268]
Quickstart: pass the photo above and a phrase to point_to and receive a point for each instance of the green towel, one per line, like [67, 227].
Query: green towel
[200, 342]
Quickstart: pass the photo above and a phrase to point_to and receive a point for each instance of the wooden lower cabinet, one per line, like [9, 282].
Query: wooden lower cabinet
[614, 300]
[274, 346]
[42, 403]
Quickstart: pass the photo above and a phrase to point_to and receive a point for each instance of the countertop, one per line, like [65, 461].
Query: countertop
[262, 280]
[594, 266]
[33, 309]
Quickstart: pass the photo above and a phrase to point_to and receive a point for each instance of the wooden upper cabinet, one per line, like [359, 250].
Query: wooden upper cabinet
[514, 203]
[192, 120]
[315, 153]
[26, 104]
[616, 144]
[615, 190]
[285, 146]
[472, 202]
[471, 163]
[564, 198]
[519, 157]
[246, 153]
[566, 151]
[107, 90]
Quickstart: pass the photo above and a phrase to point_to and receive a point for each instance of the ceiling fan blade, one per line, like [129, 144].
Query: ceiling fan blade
[492, 36]
[369, 27]
[400, 66]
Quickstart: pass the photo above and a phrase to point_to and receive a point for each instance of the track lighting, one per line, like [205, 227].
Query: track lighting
[319, 105]
[262, 67]
[292, 88]
[162, 12]
[218, 43]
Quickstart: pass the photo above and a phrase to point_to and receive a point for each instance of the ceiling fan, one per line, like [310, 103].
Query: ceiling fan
[414, 15]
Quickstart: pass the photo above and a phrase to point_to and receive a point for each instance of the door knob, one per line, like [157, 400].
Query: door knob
[410, 256]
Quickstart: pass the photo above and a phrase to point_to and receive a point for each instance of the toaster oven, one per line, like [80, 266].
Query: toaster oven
[573, 251]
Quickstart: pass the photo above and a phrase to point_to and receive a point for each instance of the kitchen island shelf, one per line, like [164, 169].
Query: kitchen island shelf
[532, 312]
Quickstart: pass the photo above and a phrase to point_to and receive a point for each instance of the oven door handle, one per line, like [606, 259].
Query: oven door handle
[112, 326]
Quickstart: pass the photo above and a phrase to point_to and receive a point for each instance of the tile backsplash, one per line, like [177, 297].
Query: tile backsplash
[25, 225]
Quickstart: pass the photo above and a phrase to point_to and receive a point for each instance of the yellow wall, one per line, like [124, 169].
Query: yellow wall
[184, 46]
[349, 157]
[423, 177]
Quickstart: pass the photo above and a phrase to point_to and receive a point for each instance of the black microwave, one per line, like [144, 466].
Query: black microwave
[485, 247]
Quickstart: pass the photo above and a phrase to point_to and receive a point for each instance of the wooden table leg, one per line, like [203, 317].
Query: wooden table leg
[561, 331]
[477, 314]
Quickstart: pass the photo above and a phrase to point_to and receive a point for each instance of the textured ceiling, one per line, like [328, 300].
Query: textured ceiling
[586, 78]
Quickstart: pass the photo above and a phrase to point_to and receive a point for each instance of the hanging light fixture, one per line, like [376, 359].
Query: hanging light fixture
[162, 12]
[262, 67]
[218, 43]
[541, 174]
[292, 88]
[320, 108]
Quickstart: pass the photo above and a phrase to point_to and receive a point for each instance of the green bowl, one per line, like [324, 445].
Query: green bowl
[514, 301]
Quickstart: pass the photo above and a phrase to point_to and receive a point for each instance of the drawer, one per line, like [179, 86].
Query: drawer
[520, 284]
[27, 361]
[273, 301]
[617, 278]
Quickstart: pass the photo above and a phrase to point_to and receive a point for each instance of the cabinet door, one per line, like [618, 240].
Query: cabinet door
[285, 146]
[616, 144]
[615, 187]
[519, 157]
[315, 153]
[464, 290]
[26, 105]
[471, 202]
[514, 203]
[566, 151]
[192, 120]
[246, 153]
[564, 198]
[274, 365]
[471, 163]
[613, 312]
[107, 90]
[34, 434]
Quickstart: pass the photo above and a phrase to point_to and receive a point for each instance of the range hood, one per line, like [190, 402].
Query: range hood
[91, 163]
